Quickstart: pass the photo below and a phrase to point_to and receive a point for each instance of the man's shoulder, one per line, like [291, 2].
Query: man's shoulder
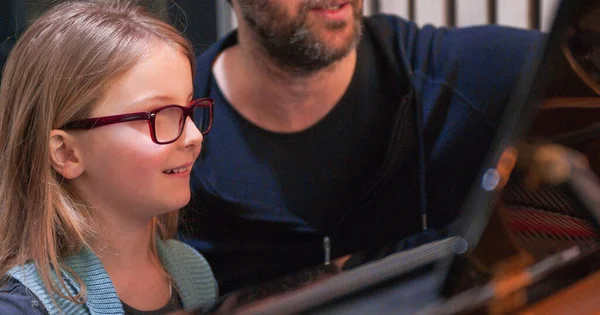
[391, 25]
[419, 40]
[390, 18]
[205, 60]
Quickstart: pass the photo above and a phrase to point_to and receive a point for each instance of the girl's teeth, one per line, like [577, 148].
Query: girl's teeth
[177, 170]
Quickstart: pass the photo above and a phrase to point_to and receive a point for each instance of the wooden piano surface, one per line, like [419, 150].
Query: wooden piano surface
[582, 298]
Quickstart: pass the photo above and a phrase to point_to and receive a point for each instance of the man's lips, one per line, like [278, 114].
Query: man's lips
[334, 11]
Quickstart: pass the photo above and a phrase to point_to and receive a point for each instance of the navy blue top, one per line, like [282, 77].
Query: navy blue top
[263, 201]
[15, 298]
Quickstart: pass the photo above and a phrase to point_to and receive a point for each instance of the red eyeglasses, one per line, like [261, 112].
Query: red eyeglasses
[166, 123]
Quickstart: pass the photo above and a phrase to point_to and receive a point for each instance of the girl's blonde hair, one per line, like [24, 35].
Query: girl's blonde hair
[56, 73]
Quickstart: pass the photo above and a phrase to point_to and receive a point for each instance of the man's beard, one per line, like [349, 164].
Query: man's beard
[291, 41]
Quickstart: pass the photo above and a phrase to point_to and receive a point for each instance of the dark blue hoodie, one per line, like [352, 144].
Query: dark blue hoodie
[407, 138]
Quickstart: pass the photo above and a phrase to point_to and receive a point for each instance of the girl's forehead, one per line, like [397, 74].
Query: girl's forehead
[161, 76]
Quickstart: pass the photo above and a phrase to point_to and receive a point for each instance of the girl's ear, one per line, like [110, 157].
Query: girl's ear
[65, 155]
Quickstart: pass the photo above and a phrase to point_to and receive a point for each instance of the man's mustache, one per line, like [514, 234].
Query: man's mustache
[326, 4]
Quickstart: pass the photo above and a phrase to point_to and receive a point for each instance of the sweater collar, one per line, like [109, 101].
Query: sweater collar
[101, 295]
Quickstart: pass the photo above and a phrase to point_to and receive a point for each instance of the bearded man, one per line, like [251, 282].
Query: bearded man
[335, 133]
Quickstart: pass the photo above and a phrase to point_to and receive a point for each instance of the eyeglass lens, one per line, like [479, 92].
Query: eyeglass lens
[169, 122]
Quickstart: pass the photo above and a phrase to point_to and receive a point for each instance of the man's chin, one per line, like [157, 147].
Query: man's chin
[338, 43]
[337, 33]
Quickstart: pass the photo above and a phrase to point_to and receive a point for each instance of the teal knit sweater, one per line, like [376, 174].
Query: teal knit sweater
[190, 271]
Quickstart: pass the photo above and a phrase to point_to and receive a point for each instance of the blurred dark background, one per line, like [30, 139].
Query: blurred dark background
[197, 19]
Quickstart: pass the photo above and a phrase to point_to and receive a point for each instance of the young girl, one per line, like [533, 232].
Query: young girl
[97, 145]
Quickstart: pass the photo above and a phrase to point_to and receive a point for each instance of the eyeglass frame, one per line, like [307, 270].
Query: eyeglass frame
[150, 115]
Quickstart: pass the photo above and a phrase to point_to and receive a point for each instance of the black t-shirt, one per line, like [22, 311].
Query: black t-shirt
[174, 304]
[327, 161]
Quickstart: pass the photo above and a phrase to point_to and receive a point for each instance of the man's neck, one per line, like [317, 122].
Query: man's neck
[276, 99]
